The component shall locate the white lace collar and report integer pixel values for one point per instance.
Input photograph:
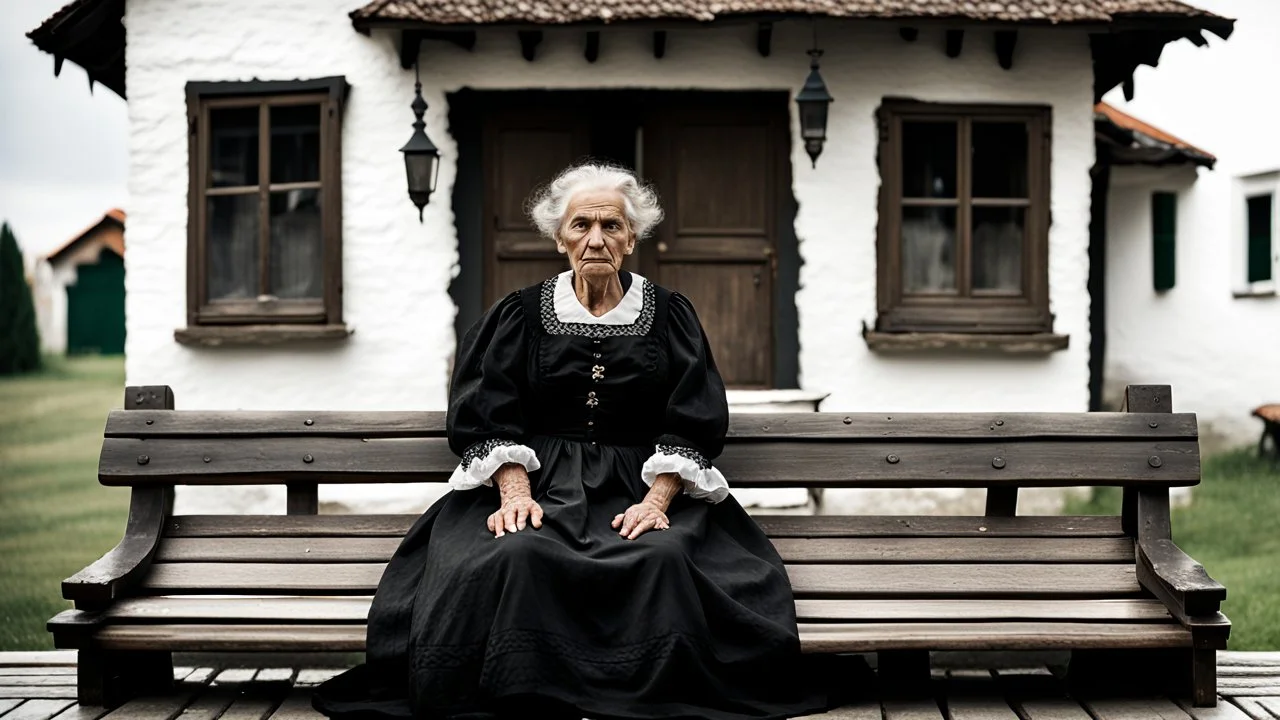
(569, 310)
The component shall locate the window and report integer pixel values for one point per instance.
(265, 204)
(964, 218)
(1258, 254)
(1164, 213)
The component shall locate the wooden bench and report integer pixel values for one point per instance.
(1104, 587)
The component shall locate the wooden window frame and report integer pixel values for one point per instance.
(1252, 186)
(994, 314)
(330, 94)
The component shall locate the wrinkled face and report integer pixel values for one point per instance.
(595, 233)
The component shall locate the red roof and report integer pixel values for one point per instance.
(114, 242)
(1128, 122)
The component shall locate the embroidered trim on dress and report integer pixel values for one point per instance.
(685, 452)
(552, 324)
(481, 450)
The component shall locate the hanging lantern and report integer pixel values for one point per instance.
(813, 100)
(421, 156)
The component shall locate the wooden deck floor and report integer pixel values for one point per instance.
(35, 686)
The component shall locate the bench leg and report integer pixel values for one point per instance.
(1204, 678)
(109, 678)
(902, 672)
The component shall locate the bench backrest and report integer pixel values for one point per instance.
(999, 451)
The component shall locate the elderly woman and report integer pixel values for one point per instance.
(589, 560)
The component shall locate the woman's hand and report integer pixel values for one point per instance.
(513, 514)
(651, 512)
(641, 518)
(518, 505)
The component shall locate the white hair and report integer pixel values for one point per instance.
(549, 204)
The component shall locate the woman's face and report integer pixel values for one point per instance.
(595, 233)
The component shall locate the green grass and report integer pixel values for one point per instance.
(1232, 527)
(54, 516)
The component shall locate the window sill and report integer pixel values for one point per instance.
(1243, 294)
(1022, 344)
(219, 335)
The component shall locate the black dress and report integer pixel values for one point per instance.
(694, 621)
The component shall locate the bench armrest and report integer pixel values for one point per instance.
(109, 577)
(1179, 581)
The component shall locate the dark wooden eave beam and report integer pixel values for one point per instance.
(909, 33)
(764, 38)
(659, 43)
(411, 42)
(592, 50)
(529, 40)
(410, 46)
(955, 42)
(1006, 41)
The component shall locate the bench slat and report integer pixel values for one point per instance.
(1032, 463)
(217, 526)
(293, 610)
(813, 637)
(864, 637)
(777, 526)
(813, 526)
(795, 550)
(742, 426)
(985, 580)
(955, 550)
(1011, 580)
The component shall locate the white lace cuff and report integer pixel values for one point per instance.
(483, 459)
(700, 479)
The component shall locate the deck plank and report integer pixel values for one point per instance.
(315, 676)
(83, 712)
(37, 680)
(1224, 710)
(979, 708)
(911, 710)
(1052, 709)
(38, 709)
(12, 671)
(297, 706)
(163, 707)
(38, 658)
(1251, 657)
(210, 704)
(57, 692)
(1135, 709)
(1253, 708)
(250, 707)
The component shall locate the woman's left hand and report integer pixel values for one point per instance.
(639, 519)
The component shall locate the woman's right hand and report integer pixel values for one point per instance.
(518, 505)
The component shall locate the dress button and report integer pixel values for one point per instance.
(590, 423)
(596, 356)
(591, 394)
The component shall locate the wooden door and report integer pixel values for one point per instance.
(522, 151)
(718, 170)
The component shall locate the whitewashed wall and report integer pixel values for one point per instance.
(1218, 351)
(397, 271)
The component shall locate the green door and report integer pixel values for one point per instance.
(95, 307)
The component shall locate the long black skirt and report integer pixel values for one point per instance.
(697, 621)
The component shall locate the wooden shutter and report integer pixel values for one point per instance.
(1164, 212)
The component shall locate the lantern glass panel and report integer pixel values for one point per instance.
(813, 119)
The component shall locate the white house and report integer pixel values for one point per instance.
(935, 257)
(1212, 328)
(79, 290)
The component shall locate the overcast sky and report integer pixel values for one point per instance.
(63, 151)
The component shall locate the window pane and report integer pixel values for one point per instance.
(295, 143)
(233, 146)
(999, 159)
(296, 247)
(928, 249)
(1260, 238)
(928, 159)
(997, 248)
(233, 247)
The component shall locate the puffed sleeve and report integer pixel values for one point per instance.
(486, 423)
(697, 415)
